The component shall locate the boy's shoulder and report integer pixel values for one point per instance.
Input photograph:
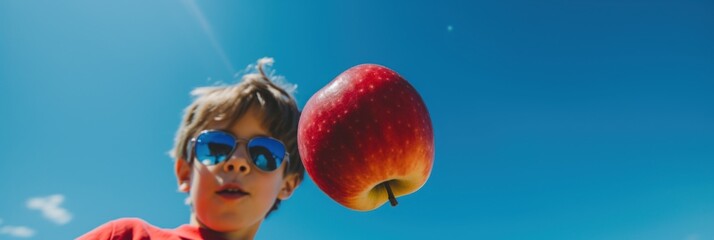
(129, 229)
(128, 222)
(122, 228)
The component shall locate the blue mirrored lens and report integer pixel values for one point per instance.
(267, 153)
(214, 147)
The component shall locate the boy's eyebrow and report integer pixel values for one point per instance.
(256, 135)
(249, 136)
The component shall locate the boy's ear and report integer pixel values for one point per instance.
(290, 183)
(183, 174)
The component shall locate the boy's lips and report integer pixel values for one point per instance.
(231, 190)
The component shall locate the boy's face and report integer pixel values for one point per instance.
(223, 213)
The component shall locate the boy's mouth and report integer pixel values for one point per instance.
(231, 190)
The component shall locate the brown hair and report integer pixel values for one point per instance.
(217, 103)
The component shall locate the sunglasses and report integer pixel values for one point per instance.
(212, 147)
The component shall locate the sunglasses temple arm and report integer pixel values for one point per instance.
(287, 159)
(189, 151)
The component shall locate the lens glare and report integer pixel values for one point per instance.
(214, 147)
(267, 153)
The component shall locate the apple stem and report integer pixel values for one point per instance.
(392, 199)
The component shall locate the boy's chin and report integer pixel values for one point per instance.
(228, 223)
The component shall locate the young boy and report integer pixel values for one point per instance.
(235, 155)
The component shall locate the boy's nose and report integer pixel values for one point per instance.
(238, 162)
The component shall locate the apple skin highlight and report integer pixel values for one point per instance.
(366, 127)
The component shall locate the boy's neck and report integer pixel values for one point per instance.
(241, 234)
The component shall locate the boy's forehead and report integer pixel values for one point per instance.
(250, 123)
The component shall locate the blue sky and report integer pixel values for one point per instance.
(552, 119)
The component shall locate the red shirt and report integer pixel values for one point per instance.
(137, 229)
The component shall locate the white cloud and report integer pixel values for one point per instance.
(50, 207)
(19, 231)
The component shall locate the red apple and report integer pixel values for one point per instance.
(366, 138)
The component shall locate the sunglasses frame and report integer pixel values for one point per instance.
(191, 148)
